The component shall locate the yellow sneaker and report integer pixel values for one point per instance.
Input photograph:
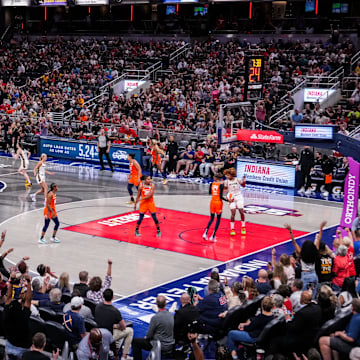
(232, 233)
(243, 231)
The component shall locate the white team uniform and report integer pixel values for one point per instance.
(24, 160)
(40, 175)
(233, 186)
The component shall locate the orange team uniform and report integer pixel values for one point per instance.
(134, 175)
(147, 204)
(156, 160)
(48, 213)
(216, 204)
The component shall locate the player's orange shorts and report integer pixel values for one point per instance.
(134, 180)
(216, 207)
(48, 214)
(156, 160)
(147, 206)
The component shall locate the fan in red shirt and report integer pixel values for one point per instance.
(127, 131)
(198, 157)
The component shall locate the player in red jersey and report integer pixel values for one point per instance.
(50, 214)
(134, 176)
(146, 198)
(216, 204)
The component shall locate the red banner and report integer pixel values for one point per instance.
(260, 136)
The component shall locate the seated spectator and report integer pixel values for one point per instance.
(328, 302)
(348, 293)
(85, 311)
(109, 317)
(45, 272)
(279, 309)
(262, 283)
(64, 283)
(186, 159)
(342, 342)
(250, 331)
(249, 287)
(39, 289)
(96, 288)
(235, 295)
(210, 307)
(215, 275)
(161, 328)
(73, 322)
(54, 303)
(341, 268)
(82, 286)
(300, 332)
(95, 345)
(37, 348)
(296, 117)
(285, 292)
(16, 319)
(187, 314)
(206, 164)
(295, 297)
(293, 155)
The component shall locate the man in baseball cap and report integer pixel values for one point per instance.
(73, 322)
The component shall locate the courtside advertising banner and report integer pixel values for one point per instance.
(267, 174)
(351, 194)
(260, 136)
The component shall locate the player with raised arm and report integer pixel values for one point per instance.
(146, 198)
(134, 176)
(23, 155)
(234, 187)
(216, 190)
(39, 172)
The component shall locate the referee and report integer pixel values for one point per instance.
(103, 147)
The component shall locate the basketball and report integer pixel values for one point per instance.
(230, 197)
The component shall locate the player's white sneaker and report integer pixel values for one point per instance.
(213, 238)
(301, 191)
(55, 239)
(308, 192)
(326, 193)
(205, 236)
(33, 197)
(43, 241)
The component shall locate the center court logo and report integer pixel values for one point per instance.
(121, 220)
(3, 186)
(270, 210)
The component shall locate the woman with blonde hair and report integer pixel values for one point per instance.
(64, 283)
(156, 159)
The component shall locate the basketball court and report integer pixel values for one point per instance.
(97, 224)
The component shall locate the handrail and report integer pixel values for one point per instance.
(280, 114)
(355, 131)
(179, 52)
(296, 88)
(354, 59)
(113, 82)
(5, 32)
(47, 73)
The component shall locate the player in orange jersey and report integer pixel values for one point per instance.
(50, 214)
(146, 198)
(216, 191)
(134, 176)
(156, 159)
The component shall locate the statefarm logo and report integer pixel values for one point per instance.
(121, 220)
(257, 169)
(265, 137)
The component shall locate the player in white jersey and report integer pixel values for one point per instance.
(40, 172)
(23, 155)
(235, 186)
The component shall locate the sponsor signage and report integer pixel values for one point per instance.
(52, 3)
(351, 194)
(320, 132)
(76, 150)
(91, 2)
(260, 136)
(267, 174)
(317, 95)
(130, 85)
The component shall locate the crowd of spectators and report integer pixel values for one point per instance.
(304, 291)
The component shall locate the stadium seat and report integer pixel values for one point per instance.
(2, 330)
(65, 298)
(275, 327)
(90, 304)
(338, 323)
(37, 325)
(241, 313)
(56, 333)
(47, 314)
(90, 324)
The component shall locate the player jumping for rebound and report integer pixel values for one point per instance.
(234, 186)
(146, 198)
(216, 190)
(134, 176)
(23, 155)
